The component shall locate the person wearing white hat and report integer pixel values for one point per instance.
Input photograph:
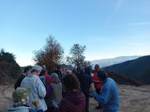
(36, 86)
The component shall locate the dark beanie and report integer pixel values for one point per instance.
(102, 74)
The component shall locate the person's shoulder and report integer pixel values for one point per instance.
(86, 75)
(110, 79)
(54, 71)
(24, 79)
(109, 82)
(22, 75)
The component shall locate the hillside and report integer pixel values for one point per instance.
(112, 61)
(9, 68)
(138, 69)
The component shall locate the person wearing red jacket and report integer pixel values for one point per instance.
(97, 83)
(46, 76)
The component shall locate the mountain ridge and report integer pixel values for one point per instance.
(138, 69)
(111, 61)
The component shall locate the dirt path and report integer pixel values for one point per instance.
(5, 97)
(132, 99)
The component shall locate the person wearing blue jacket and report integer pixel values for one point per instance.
(108, 97)
(20, 101)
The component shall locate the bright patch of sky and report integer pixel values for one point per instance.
(108, 28)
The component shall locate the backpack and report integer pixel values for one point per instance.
(43, 79)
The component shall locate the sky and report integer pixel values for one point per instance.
(108, 28)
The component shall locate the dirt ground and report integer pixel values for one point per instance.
(132, 99)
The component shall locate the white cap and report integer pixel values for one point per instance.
(36, 67)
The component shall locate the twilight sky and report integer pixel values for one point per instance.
(108, 28)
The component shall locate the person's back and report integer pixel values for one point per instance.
(88, 71)
(47, 77)
(38, 90)
(58, 72)
(73, 102)
(85, 82)
(18, 82)
(56, 92)
(21, 77)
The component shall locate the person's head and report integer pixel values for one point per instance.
(43, 67)
(59, 68)
(90, 67)
(54, 78)
(97, 67)
(74, 70)
(20, 97)
(36, 69)
(102, 75)
(69, 72)
(82, 71)
(26, 70)
(71, 83)
(44, 71)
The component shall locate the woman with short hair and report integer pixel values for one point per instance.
(55, 92)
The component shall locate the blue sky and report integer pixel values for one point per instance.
(108, 28)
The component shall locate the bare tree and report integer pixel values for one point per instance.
(51, 55)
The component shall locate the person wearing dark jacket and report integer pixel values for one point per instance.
(43, 70)
(58, 72)
(74, 101)
(88, 70)
(19, 80)
(85, 81)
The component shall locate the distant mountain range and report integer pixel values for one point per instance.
(138, 69)
(108, 62)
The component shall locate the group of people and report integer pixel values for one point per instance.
(64, 93)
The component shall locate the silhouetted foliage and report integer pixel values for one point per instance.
(50, 55)
(9, 58)
(86, 64)
(77, 57)
(5, 56)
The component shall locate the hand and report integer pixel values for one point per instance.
(55, 106)
(36, 103)
(91, 89)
